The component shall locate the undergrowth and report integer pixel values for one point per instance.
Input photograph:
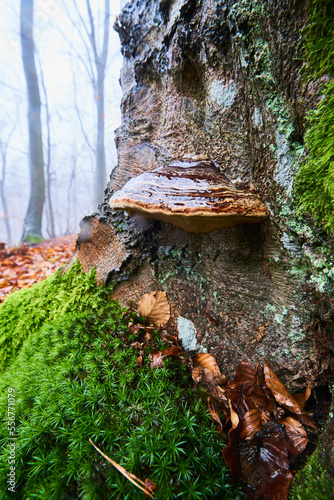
(315, 180)
(76, 377)
(25, 311)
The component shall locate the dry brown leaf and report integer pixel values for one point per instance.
(234, 416)
(251, 424)
(156, 359)
(302, 397)
(296, 433)
(155, 307)
(205, 368)
(139, 361)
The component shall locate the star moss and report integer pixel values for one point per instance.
(76, 377)
(315, 180)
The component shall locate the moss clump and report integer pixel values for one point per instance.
(315, 180)
(315, 480)
(77, 378)
(28, 309)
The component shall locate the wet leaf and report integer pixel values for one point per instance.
(280, 392)
(155, 307)
(265, 464)
(302, 397)
(296, 433)
(251, 424)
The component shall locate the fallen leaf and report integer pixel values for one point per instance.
(251, 424)
(156, 359)
(302, 397)
(296, 433)
(205, 368)
(280, 392)
(234, 417)
(155, 307)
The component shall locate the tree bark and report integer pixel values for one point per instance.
(32, 229)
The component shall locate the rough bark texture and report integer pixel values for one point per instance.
(222, 79)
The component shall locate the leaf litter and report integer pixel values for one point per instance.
(22, 266)
(267, 426)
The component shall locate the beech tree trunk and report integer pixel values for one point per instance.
(223, 80)
(32, 229)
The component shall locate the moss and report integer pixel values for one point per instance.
(32, 239)
(75, 376)
(315, 181)
(28, 309)
(315, 481)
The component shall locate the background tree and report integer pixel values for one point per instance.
(32, 228)
(3, 151)
(95, 64)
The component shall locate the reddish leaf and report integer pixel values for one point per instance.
(302, 397)
(296, 433)
(156, 359)
(284, 397)
(251, 424)
(265, 464)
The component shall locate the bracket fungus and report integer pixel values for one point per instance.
(191, 194)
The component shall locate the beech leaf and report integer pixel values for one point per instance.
(205, 368)
(251, 424)
(280, 392)
(155, 307)
(296, 433)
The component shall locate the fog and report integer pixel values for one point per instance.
(62, 62)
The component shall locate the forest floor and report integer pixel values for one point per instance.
(24, 265)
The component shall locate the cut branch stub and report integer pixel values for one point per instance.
(155, 308)
(193, 195)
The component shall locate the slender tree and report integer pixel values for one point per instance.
(3, 152)
(95, 65)
(32, 229)
(50, 213)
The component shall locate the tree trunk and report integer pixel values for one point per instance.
(100, 172)
(222, 80)
(3, 194)
(32, 229)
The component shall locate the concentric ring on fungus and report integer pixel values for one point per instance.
(193, 195)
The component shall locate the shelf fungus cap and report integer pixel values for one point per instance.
(193, 195)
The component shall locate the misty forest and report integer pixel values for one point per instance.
(167, 249)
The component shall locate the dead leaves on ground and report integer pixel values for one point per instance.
(21, 267)
(266, 429)
(267, 426)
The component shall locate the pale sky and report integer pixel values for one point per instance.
(57, 45)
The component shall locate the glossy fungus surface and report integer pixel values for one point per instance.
(193, 195)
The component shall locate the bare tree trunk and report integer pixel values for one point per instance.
(100, 63)
(100, 172)
(3, 148)
(32, 229)
(51, 230)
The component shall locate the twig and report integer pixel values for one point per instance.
(130, 477)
